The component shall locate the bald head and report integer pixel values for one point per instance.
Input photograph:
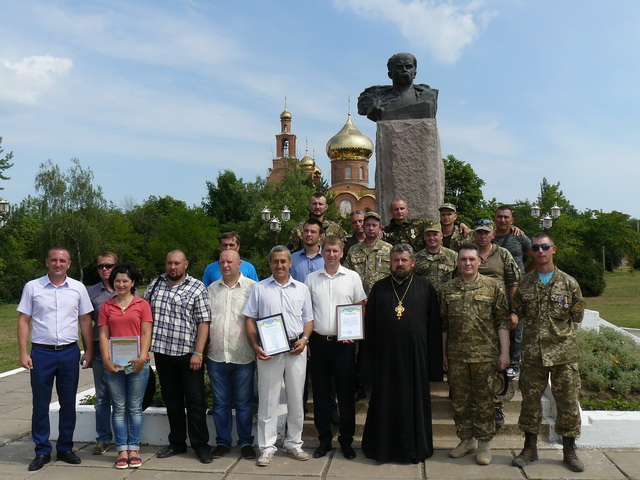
(229, 262)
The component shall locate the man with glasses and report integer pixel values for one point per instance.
(100, 293)
(228, 241)
(357, 226)
(549, 303)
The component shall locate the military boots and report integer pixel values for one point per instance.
(530, 451)
(569, 455)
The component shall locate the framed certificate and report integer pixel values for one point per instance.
(124, 349)
(350, 320)
(273, 334)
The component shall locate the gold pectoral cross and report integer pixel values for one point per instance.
(399, 310)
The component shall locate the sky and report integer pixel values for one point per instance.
(159, 96)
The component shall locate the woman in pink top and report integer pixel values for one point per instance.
(126, 315)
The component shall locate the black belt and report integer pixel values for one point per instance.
(327, 338)
(296, 338)
(54, 347)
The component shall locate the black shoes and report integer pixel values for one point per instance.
(205, 457)
(348, 452)
(39, 462)
(169, 451)
(247, 452)
(322, 450)
(69, 457)
(220, 451)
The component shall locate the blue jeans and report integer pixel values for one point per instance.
(127, 392)
(103, 398)
(232, 383)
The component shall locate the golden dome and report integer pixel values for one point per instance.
(285, 115)
(307, 161)
(317, 172)
(349, 143)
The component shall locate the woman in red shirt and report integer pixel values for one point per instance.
(126, 315)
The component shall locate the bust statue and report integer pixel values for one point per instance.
(403, 100)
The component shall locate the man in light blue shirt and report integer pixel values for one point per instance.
(228, 241)
(309, 258)
(280, 294)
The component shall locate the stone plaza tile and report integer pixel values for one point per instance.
(627, 461)
(441, 466)
(13, 428)
(550, 466)
(63, 471)
(143, 474)
(184, 462)
(281, 465)
(362, 467)
(18, 453)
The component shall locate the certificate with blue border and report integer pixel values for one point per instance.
(350, 320)
(273, 334)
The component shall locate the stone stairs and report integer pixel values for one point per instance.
(444, 431)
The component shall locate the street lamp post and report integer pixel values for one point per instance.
(5, 208)
(546, 220)
(275, 225)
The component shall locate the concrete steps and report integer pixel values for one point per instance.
(444, 431)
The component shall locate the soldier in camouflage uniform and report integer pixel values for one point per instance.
(453, 236)
(475, 332)
(317, 208)
(549, 304)
(403, 230)
(370, 259)
(435, 262)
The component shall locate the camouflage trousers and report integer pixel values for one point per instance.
(565, 387)
(472, 398)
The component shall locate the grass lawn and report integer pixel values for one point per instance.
(8, 339)
(620, 302)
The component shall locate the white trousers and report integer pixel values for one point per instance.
(270, 375)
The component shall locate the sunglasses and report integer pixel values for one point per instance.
(541, 246)
(483, 222)
(106, 266)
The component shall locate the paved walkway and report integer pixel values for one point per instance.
(16, 451)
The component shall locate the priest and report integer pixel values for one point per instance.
(402, 353)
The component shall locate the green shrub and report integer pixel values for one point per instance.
(589, 275)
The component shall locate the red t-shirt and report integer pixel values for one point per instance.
(127, 323)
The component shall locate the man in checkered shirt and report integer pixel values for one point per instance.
(181, 318)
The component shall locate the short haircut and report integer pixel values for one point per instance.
(540, 235)
(316, 222)
(503, 208)
(397, 200)
(356, 212)
(401, 248)
(469, 246)
(279, 249)
(129, 270)
(318, 195)
(228, 235)
(177, 251)
(394, 59)
(229, 250)
(108, 254)
(333, 240)
(62, 249)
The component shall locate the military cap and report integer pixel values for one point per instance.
(484, 224)
(432, 226)
(448, 206)
(372, 215)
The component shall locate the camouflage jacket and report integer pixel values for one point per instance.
(500, 266)
(329, 227)
(456, 239)
(371, 263)
(410, 231)
(472, 313)
(548, 314)
(438, 268)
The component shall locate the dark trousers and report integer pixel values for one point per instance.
(64, 366)
(182, 387)
(333, 361)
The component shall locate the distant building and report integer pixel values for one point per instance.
(349, 151)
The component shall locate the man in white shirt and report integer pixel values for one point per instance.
(230, 358)
(52, 307)
(280, 294)
(333, 360)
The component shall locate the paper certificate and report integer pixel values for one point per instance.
(124, 349)
(273, 334)
(350, 320)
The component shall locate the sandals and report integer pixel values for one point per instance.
(134, 460)
(122, 462)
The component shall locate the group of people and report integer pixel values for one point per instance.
(438, 297)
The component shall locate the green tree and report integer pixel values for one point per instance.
(229, 199)
(463, 188)
(5, 163)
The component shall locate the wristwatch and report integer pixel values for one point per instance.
(306, 339)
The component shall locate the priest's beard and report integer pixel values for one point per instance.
(400, 274)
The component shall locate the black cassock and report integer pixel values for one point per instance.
(400, 357)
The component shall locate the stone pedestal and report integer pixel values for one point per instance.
(409, 166)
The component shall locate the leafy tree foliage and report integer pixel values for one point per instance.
(5, 163)
(463, 188)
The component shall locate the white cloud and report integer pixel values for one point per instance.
(25, 81)
(442, 28)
